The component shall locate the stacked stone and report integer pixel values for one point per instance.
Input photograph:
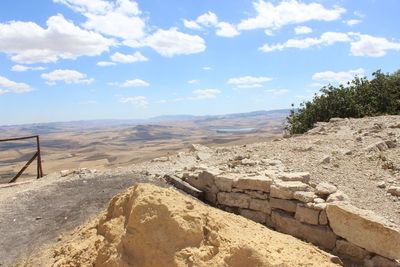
(288, 203)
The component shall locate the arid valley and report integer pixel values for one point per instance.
(105, 144)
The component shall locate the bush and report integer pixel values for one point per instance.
(359, 98)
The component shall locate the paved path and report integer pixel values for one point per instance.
(35, 214)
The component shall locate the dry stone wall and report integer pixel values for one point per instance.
(319, 214)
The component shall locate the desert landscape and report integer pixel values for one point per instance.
(105, 144)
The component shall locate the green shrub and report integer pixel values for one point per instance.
(359, 98)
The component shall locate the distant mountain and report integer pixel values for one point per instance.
(54, 127)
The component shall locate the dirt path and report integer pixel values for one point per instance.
(37, 213)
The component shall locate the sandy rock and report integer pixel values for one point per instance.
(259, 183)
(151, 226)
(337, 196)
(323, 218)
(283, 204)
(257, 194)
(324, 189)
(285, 190)
(160, 159)
(304, 196)
(319, 235)
(307, 215)
(364, 229)
(256, 216)
(260, 205)
(294, 176)
(224, 182)
(381, 184)
(394, 191)
(234, 199)
(350, 250)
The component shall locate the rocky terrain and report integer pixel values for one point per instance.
(360, 157)
(298, 178)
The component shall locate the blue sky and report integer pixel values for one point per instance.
(65, 60)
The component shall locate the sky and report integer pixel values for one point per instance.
(66, 60)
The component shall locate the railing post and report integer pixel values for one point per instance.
(39, 159)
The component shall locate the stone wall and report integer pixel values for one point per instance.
(319, 214)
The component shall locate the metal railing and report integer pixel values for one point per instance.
(35, 156)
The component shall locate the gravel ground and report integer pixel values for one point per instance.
(36, 213)
(342, 152)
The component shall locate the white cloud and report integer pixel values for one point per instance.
(87, 6)
(123, 58)
(248, 81)
(191, 24)
(29, 43)
(8, 86)
(341, 77)
(105, 63)
(138, 101)
(225, 29)
(277, 91)
(302, 30)
(67, 76)
(171, 42)
(210, 19)
(21, 68)
(131, 83)
(120, 18)
(193, 81)
(288, 12)
(207, 19)
(327, 38)
(371, 46)
(353, 22)
(207, 68)
(205, 93)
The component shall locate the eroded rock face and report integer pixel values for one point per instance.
(150, 226)
(364, 229)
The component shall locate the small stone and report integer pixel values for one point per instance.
(381, 184)
(337, 196)
(325, 160)
(319, 200)
(394, 191)
(324, 189)
(304, 196)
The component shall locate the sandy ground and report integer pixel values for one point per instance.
(36, 213)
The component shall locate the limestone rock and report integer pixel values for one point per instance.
(234, 199)
(259, 182)
(324, 189)
(376, 147)
(337, 196)
(283, 204)
(294, 176)
(285, 190)
(260, 205)
(319, 235)
(350, 250)
(256, 216)
(304, 196)
(378, 261)
(307, 215)
(65, 173)
(225, 182)
(364, 229)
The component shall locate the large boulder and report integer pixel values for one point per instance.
(364, 229)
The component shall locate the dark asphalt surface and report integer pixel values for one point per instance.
(36, 217)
